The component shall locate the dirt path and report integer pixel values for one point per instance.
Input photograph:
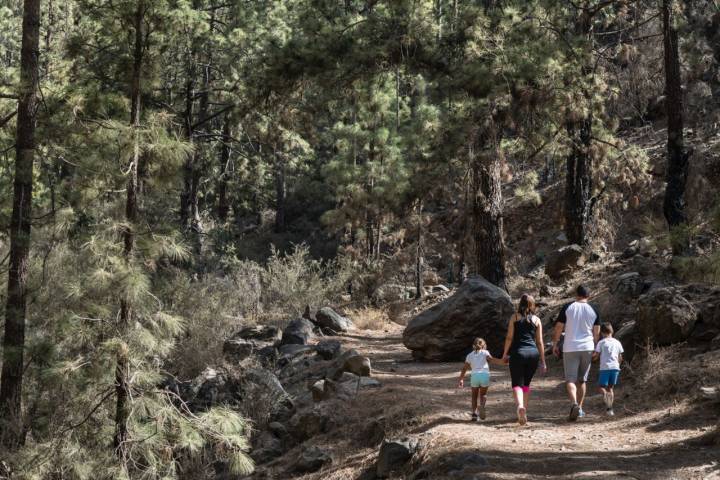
(637, 443)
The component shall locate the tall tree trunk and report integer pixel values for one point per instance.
(189, 199)
(578, 176)
(280, 193)
(578, 182)
(223, 205)
(122, 368)
(11, 381)
(678, 155)
(188, 167)
(419, 257)
(488, 212)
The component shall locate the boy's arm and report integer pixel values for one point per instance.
(620, 358)
(595, 357)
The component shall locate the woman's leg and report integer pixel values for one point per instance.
(517, 372)
(531, 365)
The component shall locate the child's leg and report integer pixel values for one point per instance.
(475, 392)
(483, 394)
(611, 395)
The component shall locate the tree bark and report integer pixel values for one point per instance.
(488, 216)
(122, 368)
(578, 176)
(280, 193)
(11, 381)
(678, 156)
(419, 257)
(223, 205)
(578, 182)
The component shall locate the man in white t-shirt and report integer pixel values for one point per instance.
(581, 323)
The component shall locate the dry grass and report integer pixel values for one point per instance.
(369, 318)
(675, 370)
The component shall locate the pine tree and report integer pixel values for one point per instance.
(678, 155)
(11, 379)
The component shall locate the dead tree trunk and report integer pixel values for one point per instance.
(11, 381)
(678, 155)
(122, 368)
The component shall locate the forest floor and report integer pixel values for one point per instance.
(647, 439)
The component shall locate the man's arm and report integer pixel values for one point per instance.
(596, 325)
(557, 331)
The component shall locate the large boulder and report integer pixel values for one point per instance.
(312, 459)
(629, 286)
(237, 386)
(252, 340)
(393, 293)
(665, 316)
(265, 333)
(298, 332)
(445, 332)
(332, 322)
(237, 349)
(394, 454)
(328, 349)
(562, 262)
(627, 334)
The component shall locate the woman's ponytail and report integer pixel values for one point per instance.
(526, 307)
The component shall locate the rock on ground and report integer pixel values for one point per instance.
(330, 321)
(312, 459)
(394, 454)
(665, 316)
(445, 332)
(563, 261)
(328, 349)
(298, 332)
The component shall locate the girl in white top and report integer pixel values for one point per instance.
(477, 362)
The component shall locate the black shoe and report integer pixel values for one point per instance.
(574, 412)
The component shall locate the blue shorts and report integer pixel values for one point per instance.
(480, 379)
(608, 377)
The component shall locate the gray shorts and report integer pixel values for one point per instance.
(577, 366)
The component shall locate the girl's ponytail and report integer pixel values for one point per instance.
(479, 344)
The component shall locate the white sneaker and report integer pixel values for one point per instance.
(610, 412)
(608, 401)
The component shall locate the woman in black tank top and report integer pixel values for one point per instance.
(524, 350)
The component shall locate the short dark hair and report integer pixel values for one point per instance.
(606, 328)
(582, 291)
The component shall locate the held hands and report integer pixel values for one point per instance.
(556, 351)
(506, 359)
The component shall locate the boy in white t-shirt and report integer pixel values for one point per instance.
(609, 350)
(477, 362)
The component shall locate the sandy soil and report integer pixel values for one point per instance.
(640, 442)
